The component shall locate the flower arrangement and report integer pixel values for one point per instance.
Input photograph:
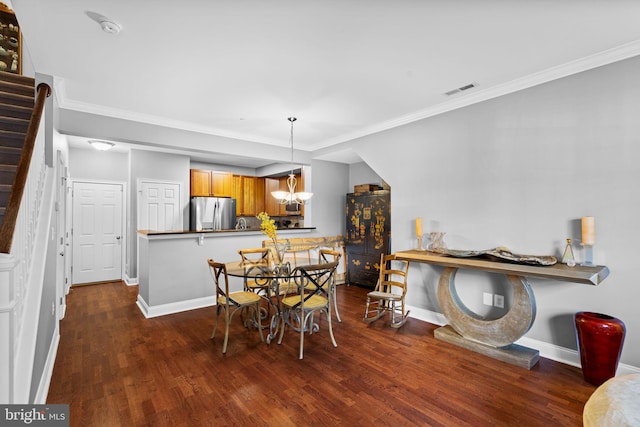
(268, 227)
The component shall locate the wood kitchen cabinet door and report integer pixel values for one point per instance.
(260, 195)
(271, 205)
(236, 192)
(206, 183)
(282, 186)
(221, 183)
(200, 183)
(248, 195)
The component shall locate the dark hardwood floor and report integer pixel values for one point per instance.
(116, 368)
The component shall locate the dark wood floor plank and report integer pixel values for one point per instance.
(116, 368)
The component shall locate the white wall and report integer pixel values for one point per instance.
(155, 166)
(361, 173)
(329, 184)
(519, 171)
(98, 165)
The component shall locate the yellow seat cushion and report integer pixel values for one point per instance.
(242, 298)
(252, 284)
(384, 295)
(316, 301)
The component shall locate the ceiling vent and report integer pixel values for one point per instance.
(461, 89)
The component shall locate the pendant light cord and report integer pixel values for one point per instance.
(291, 119)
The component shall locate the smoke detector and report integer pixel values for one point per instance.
(109, 26)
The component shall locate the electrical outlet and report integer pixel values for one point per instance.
(498, 300)
(487, 298)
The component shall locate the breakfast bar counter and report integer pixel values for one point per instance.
(173, 274)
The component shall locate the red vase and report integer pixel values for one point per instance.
(600, 339)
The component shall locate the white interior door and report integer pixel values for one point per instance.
(159, 206)
(97, 232)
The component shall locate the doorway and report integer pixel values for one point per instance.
(97, 231)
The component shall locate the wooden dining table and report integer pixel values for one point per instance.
(277, 282)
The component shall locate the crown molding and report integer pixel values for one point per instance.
(66, 103)
(606, 57)
(610, 56)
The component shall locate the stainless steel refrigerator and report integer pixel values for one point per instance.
(213, 213)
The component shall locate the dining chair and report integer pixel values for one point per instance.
(232, 302)
(327, 256)
(303, 253)
(389, 293)
(298, 308)
(257, 259)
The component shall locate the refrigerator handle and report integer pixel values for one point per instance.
(216, 215)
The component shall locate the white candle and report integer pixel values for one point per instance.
(419, 227)
(588, 230)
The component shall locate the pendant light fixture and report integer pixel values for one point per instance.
(291, 197)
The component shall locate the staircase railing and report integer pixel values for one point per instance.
(24, 240)
(8, 227)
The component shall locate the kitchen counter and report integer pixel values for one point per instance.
(173, 274)
(233, 230)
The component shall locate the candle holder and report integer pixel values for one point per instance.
(588, 255)
(420, 248)
(568, 258)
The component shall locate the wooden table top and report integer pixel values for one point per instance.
(590, 275)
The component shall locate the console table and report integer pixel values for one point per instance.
(496, 338)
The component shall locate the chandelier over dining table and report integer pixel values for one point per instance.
(291, 197)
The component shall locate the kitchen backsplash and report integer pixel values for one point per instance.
(290, 221)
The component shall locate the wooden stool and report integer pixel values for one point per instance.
(614, 403)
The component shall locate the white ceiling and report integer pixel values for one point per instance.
(343, 68)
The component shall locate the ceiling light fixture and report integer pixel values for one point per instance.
(291, 197)
(101, 145)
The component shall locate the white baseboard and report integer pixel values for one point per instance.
(427, 315)
(174, 307)
(47, 372)
(130, 281)
(549, 351)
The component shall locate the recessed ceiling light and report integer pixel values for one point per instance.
(101, 145)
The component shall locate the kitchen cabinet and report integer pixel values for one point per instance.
(248, 195)
(367, 236)
(210, 183)
(236, 192)
(271, 205)
(252, 193)
(200, 183)
(260, 195)
(221, 183)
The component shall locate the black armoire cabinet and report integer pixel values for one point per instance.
(367, 236)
